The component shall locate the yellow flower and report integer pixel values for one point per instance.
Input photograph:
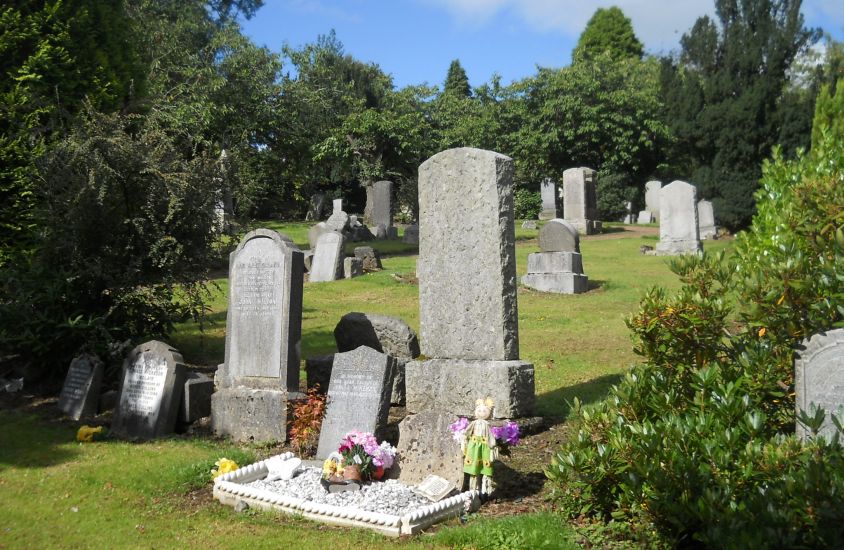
(86, 433)
(329, 467)
(762, 332)
(224, 466)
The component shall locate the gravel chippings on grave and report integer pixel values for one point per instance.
(387, 497)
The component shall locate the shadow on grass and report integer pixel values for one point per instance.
(27, 442)
(595, 284)
(555, 405)
(515, 484)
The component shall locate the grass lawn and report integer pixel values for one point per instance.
(55, 492)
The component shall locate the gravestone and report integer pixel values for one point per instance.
(196, 399)
(80, 394)
(370, 258)
(580, 206)
(529, 224)
(318, 371)
(558, 267)
(358, 396)
(382, 203)
(628, 216)
(150, 392)
(819, 378)
(327, 263)
(381, 232)
(645, 217)
(338, 221)
(263, 335)
(706, 220)
(550, 200)
(411, 234)
(652, 189)
(352, 267)
(337, 206)
(315, 232)
(678, 227)
(426, 447)
(467, 287)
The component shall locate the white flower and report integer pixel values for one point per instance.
(358, 460)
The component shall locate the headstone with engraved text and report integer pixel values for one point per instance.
(81, 390)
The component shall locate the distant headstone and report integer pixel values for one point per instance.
(380, 232)
(196, 400)
(580, 205)
(315, 232)
(80, 394)
(706, 220)
(370, 258)
(307, 258)
(382, 203)
(150, 392)
(678, 227)
(558, 267)
(550, 200)
(468, 313)
(652, 189)
(338, 221)
(358, 396)
(628, 216)
(819, 378)
(327, 264)
(337, 206)
(645, 217)
(411, 234)
(426, 447)
(352, 267)
(529, 224)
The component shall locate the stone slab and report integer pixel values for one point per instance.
(338, 221)
(336, 205)
(196, 399)
(555, 262)
(246, 414)
(467, 260)
(652, 189)
(411, 234)
(558, 283)
(529, 224)
(706, 220)
(150, 392)
(315, 232)
(352, 267)
(819, 378)
(559, 236)
(80, 395)
(382, 333)
(318, 371)
(678, 221)
(370, 258)
(550, 200)
(382, 203)
(327, 264)
(580, 205)
(645, 217)
(453, 385)
(426, 447)
(358, 396)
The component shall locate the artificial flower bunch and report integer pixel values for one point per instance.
(87, 434)
(506, 436)
(224, 466)
(363, 450)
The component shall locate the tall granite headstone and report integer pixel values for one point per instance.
(81, 390)
(382, 203)
(558, 267)
(263, 334)
(652, 189)
(580, 205)
(678, 227)
(819, 377)
(706, 220)
(467, 288)
(150, 392)
(550, 200)
(358, 396)
(327, 263)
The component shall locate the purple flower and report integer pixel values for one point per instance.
(508, 433)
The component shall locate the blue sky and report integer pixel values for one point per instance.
(415, 40)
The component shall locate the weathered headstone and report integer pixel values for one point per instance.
(352, 267)
(358, 396)
(263, 334)
(645, 217)
(338, 221)
(382, 203)
(819, 378)
(337, 206)
(80, 394)
(652, 189)
(467, 287)
(550, 200)
(327, 264)
(706, 220)
(315, 232)
(370, 258)
(558, 267)
(411, 234)
(529, 224)
(678, 228)
(580, 204)
(426, 447)
(150, 392)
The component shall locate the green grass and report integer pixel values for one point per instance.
(539, 531)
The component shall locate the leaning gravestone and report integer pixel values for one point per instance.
(81, 390)
(580, 206)
(652, 189)
(706, 220)
(558, 267)
(467, 288)
(819, 378)
(263, 334)
(426, 447)
(327, 263)
(358, 396)
(678, 227)
(550, 200)
(150, 392)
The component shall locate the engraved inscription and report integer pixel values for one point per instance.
(256, 292)
(78, 378)
(143, 387)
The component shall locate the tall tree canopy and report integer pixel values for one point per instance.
(456, 81)
(608, 32)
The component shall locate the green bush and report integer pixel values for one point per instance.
(613, 191)
(527, 204)
(697, 442)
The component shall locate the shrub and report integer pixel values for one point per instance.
(613, 191)
(527, 204)
(698, 441)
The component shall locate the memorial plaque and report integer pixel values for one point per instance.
(358, 396)
(150, 392)
(819, 378)
(434, 488)
(81, 390)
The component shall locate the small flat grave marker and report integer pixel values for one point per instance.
(434, 488)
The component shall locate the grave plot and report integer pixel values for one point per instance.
(391, 507)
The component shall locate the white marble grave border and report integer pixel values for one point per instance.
(231, 488)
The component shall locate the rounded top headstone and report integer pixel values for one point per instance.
(279, 238)
(559, 236)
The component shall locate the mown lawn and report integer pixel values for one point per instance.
(55, 492)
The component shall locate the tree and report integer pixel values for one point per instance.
(456, 81)
(609, 32)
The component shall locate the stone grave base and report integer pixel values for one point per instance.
(245, 414)
(676, 248)
(560, 283)
(453, 385)
(232, 489)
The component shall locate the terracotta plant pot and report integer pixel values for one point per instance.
(352, 471)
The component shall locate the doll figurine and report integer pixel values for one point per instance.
(479, 448)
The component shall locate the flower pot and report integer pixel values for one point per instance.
(352, 471)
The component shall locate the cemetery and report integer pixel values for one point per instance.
(312, 309)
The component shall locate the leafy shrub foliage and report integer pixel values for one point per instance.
(527, 204)
(698, 441)
(613, 191)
